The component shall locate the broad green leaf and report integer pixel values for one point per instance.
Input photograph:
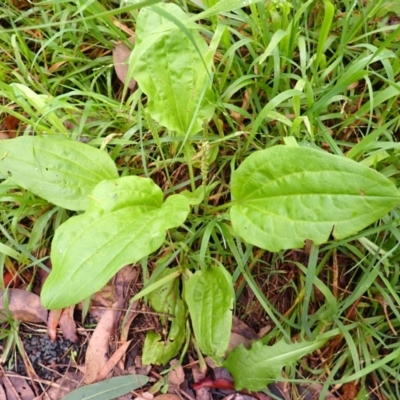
(166, 301)
(171, 71)
(285, 195)
(126, 220)
(209, 297)
(253, 369)
(108, 389)
(59, 170)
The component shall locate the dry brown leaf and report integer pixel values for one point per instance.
(313, 391)
(21, 4)
(202, 393)
(96, 354)
(121, 55)
(112, 362)
(236, 340)
(66, 384)
(68, 325)
(167, 397)
(243, 329)
(52, 323)
(101, 301)
(350, 390)
(139, 368)
(11, 123)
(264, 330)
(128, 319)
(16, 387)
(281, 389)
(145, 396)
(22, 306)
(2, 392)
(124, 279)
(176, 377)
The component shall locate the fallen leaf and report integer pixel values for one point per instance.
(11, 124)
(140, 368)
(68, 325)
(7, 277)
(101, 301)
(124, 279)
(350, 390)
(202, 393)
(128, 319)
(96, 354)
(239, 327)
(2, 392)
(145, 396)
(22, 4)
(52, 323)
(16, 387)
(112, 361)
(167, 397)
(121, 55)
(264, 330)
(281, 390)
(66, 384)
(22, 306)
(176, 377)
(236, 340)
(313, 391)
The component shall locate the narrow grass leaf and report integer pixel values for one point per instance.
(325, 29)
(285, 195)
(276, 38)
(224, 6)
(108, 389)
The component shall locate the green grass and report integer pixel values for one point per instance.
(343, 56)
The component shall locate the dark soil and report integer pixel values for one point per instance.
(50, 360)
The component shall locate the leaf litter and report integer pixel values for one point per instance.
(110, 342)
(21, 305)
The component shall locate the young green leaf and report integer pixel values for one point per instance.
(166, 301)
(253, 369)
(171, 71)
(125, 221)
(285, 195)
(209, 297)
(108, 389)
(59, 170)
